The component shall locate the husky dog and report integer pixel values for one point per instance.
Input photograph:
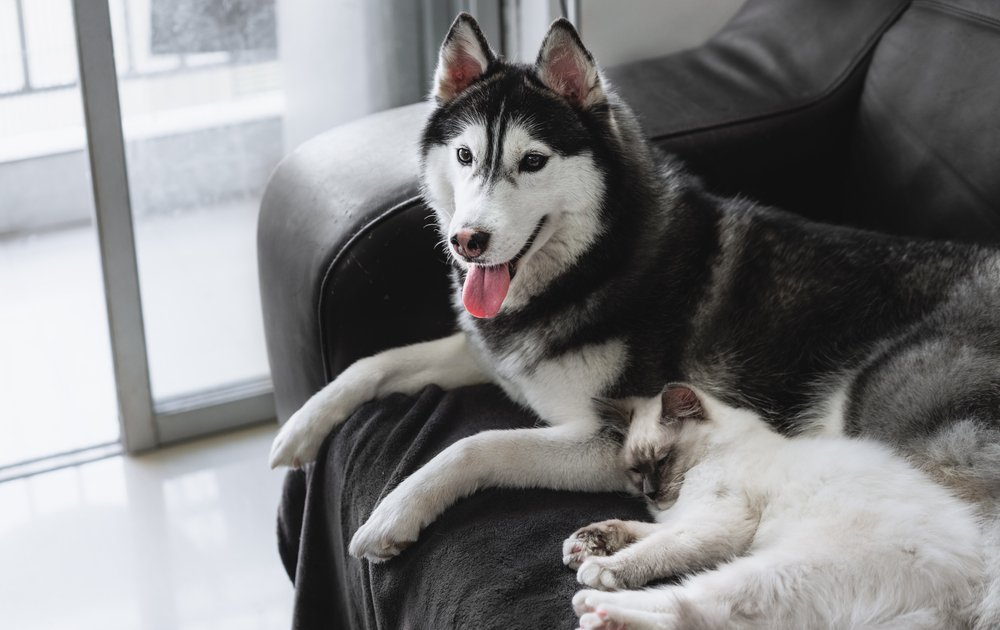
(586, 267)
(812, 532)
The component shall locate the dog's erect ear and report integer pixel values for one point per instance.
(680, 402)
(615, 415)
(614, 411)
(567, 68)
(464, 57)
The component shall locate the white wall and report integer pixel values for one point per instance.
(619, 31)
(342, 59)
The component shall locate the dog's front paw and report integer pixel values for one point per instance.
(299, 439)
(387, 532)
(597, 539)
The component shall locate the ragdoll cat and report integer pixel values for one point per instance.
(772, 532)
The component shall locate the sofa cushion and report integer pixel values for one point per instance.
(925, 149)
(764, 109)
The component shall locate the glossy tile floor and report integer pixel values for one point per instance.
(182, 539)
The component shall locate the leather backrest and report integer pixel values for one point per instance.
(765, 108)
(924, 156)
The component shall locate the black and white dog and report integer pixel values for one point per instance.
(588, 267)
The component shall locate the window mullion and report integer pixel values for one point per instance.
(102, 114)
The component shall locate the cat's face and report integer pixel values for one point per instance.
(662, 442)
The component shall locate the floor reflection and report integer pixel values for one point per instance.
(182, 538)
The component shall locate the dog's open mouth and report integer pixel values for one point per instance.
(486, 286)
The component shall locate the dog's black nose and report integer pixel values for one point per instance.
(470, 244)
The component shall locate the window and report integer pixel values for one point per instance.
(201, 103)
(144, 308)
(58, 388)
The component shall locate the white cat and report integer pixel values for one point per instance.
(772, 532)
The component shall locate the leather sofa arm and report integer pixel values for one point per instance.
(346, 266)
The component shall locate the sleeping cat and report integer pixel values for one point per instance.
(772, 532)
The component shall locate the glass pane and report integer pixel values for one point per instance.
(56, 380)
(202, 116)
(48, 31)
(213, 95)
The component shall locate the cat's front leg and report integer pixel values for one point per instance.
(602, 539)
(699, 531)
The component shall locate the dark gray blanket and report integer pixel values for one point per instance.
(494, 560)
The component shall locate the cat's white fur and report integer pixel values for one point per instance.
(811, 532)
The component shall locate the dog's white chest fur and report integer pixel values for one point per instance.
(558, 389)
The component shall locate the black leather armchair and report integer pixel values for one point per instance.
(879, 113)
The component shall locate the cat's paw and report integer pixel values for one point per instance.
(586, 600)
(612, 616)
(392, 527)
(615, 616)
(595, 608)
(602, 618)
(599, 573)
(597, 539)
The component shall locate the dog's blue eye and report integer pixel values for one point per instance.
(464, 155)
(533, 162)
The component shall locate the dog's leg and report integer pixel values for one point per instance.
(564, 457)
(446, 362)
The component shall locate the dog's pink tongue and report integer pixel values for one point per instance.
(485, 288)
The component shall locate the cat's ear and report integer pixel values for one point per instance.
(567, 68)
(615, 415)
(680, 402)
(465, 55)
